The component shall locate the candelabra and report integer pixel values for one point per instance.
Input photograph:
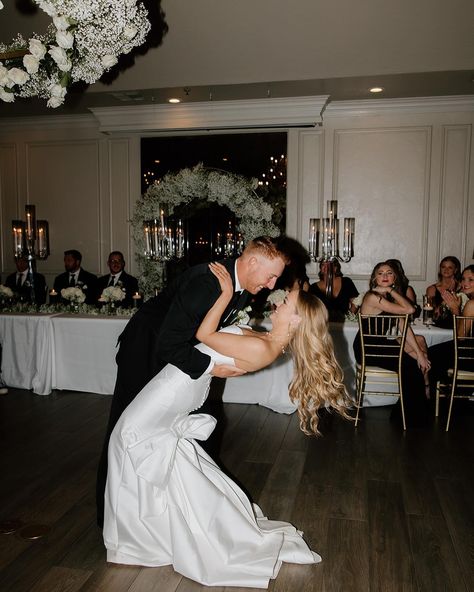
(31, 240)
(323, 241)
(165, 238)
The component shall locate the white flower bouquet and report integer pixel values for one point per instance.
(74, 295)
(5, 292)
(112, 294)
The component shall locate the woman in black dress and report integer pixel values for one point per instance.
(384, 297)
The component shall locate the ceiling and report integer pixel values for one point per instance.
(228, 51)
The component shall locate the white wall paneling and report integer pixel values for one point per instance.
(381, 177)
(455, 158)
(64, 182)
(9, 207)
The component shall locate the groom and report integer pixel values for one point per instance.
(163, 330)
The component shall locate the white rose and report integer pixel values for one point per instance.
(1, 5)
(48, 8)
(61, 23)
(130, 32)
(108, 60)
(54, 102)
(3, 75)
(37, 49)
(64, 39)
(57, 91)
(8, 97)
(18, 76)
(60, 57)
(31, 63)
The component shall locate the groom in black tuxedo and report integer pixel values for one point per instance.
(163, 330)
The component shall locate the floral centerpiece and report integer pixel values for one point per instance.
(6, 294)
(112, 294)
(176, 189)
(75, 296)
(84, 40)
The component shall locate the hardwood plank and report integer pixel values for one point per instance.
(279, 494)
(62, 579)
(391, 565)
(269, 438)
(159, 579)
(346, 566)
(436, 564)
(458, 509)
(111, 578)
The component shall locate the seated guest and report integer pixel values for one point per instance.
(441, 293)
(75, 276)
(442, 354)
(118, 277)
(20, 283)
(384, 297)
(404, 285)
(343, 291)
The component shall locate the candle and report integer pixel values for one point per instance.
(313, 238)
(30, 222)
(53, 292)
(136, 298)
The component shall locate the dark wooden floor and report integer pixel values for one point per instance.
(386, 510)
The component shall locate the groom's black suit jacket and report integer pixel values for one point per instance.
(163, 331)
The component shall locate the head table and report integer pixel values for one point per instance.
(74, 352)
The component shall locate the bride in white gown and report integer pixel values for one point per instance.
(166, 500)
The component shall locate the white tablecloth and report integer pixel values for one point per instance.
(85, 349)
(269, 387)
(27, 351)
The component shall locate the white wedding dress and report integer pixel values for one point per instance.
(168, 503)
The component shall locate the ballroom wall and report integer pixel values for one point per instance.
(404, 169)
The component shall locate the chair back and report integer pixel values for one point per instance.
(382, 336)
(463, 344)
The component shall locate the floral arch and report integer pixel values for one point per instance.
(206, 185)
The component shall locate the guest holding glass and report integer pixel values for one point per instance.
(443, 294)
(442, 354)
(384, 297)
(342, 295)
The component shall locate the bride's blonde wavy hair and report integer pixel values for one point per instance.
(318, 378)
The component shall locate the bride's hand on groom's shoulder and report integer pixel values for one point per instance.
(226, 371)
(223, 276)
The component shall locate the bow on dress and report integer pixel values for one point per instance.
(153, 457)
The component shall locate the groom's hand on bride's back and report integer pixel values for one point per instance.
(226, 371)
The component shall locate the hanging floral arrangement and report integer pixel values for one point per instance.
(84, 40)
(253, 214)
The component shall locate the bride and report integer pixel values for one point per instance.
(166, 501)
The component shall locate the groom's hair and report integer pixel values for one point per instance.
(267, 247)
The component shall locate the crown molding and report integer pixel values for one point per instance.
(451, 104)
(255, 113)
(48, 122)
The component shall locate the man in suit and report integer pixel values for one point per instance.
(163, 330)
(118, 277)
(75, 276)
(21, 283)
